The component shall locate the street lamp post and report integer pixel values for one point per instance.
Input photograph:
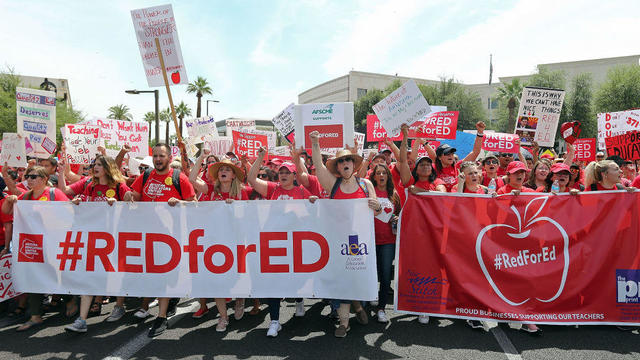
(156, 95)
(215, 101)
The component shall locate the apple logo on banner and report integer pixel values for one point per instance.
(538, 248)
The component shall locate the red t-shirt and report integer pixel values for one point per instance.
(499, 183)
(636, 182)
(277, 192)
(501, 171)
(97, 192)
(79, 186)
(602, 188)
(4, 218)
(315, 188)
(215, 196)
(467, 191)
(384, 234)
(159, 188)
(507, 189)
(22, 187)
(449, 175)
(358, 194)
(57, 194)
(426, 184)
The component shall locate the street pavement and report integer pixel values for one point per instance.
(309, 337)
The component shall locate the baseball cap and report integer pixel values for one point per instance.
(275, 161)
(558, 167)
(445, 149)
(516, 166)
(287, 165)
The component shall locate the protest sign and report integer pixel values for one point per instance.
(333, 121)
(439, 125)
(405, 105)
(538, 115)
(422, 151)
(616, 123)
(285, 124)
(520, 258)
(627, 145)
(359, 138)
(271, 136)
(219, 146)
(81, 143)
(117, 133)
(7, 290)
(249, 144)
(585, 150)
(500, 142)
(199, 128)
(210, 249)
(238, 124)
(36, 114)
(14, 152)
(281, 152)
(158, 22)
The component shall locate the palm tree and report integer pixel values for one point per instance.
(120, 112)
(511, 93)
(165, 115)
(199, 87)
(182, 110)
(150, 117)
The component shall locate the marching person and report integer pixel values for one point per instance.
(561, 173)
(516, 175)
(469, 179)
(604, 175)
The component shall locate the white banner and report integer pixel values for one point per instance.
(81, 143)
(538, 115)
(14, 152)
(405, 105)
(117, 133)
(616, 123)
(269, 249)
(333, 121)
(36, 111)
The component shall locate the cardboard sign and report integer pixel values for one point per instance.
(500, 142)
(281, 152)
(249, 144)
(616, 123)
(271, 136)
(627, 145)
(439, 125)
(158, 22)
(36, 115)
(359, 137)
(241, 125)
(218, 146)
(538, 115)
(117, 133)
(375, 131)
(14, 152)
(585, 150)
(405, 105)
(285, 124)
(333, 121)
(387, 210)
(81, 143)
(199, 128)
(7, 290)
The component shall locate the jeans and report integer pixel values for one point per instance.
(384, 256)
(274, 307)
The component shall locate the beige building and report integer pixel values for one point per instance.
(60, 86)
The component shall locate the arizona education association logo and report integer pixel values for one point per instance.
(355, 252)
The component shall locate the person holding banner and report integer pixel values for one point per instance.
(490, 166)
(541, 170)
(561, 173)
(338, 178)
(604, 175)
(469, 180)
(37, 178)
(516, 175)
(162, 184)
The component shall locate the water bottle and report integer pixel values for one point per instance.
(492, 186)
(555, 187)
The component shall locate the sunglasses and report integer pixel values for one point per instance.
(344, 159)
(32, 176)
(142, 168)
(263, 176)
(490, 162)
(506, 155)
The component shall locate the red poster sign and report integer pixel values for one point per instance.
(535, 258)
(500, 142)
(330, 135)
(248, 144)
(439, 125)
(627, 145)
(585, 150)
(423, 152)
(375, 131)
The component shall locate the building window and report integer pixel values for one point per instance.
(492, 103)
(361, 93)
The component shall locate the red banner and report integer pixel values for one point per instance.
(423, 152)
(561, 259)
(585, 150)
(500, 142)
(627, 145)
(439, 125)
(330, 135)
(248, 144)
(375, 131)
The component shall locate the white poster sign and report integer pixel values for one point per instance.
(405, 105)
(359, 137)
(81, 143)
(117, 133)
(238, 125)
(334, 122)
(538, 115)
(158, 22)
(36, 110)
(199, 128)
(7, 290)
(219, 146)
(14, 152)
(284, 122)
(268, 249)
(616, 123)
(271, 136)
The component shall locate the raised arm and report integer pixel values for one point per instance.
(571, 152)
(62, 181)
(121, 154)
(259, 185)
(403, 164)
(362, 172)
(477, 145)
(302, 174)
(325, 177)
(11, 184)
(198, 184)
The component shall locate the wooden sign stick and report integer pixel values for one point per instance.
(166, 84)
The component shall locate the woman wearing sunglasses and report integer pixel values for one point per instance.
(37, 178)
(423, 176)
(490, 167)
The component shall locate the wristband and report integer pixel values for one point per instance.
(480, 135)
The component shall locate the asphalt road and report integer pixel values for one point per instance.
(309, 337)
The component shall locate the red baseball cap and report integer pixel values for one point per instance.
(275, 161)
(288, 165)
(558, 167)
(516, 166)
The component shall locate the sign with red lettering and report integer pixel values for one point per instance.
(521, 258)
(14, 151)
(439, 125)
(334, 122)
(330, 135)
(616, 123)
(585, 150)
(117, 133)
(214, 249)
(500, 142)
(627, 145)
(7, 290)
(81, 143)
(249, 144)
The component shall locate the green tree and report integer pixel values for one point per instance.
(364, 106)
(182, 110)
(150, 117)
(621, 89)
(452, 94)
(579, 104)
(165, 115)
(120, 112)
(509, 95)
(199, 87)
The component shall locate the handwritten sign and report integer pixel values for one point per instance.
(585, 150)
(627, 145)
(7, 290)
(538, 115)
(238, 124)
(616, 123)
(271, 136)
(14, 152)
(36, 114)
(334, 122)
(81, 143)
(158, 22)
(218, 146)
(117, 133)
(500, 142)
(405, 105)
(248, 144)
(285, 124)
(199, 128)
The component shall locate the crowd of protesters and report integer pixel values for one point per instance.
(383, 177)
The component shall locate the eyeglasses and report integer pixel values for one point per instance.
(142, 168)
(32, 176)
(490, 162)
(263, 176)
(341, 160)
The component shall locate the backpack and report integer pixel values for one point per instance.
(52, 194)
(594, 187)
(175, 179)
(336, 186)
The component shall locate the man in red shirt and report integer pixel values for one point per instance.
(158, 185)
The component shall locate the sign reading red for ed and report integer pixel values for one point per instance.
(585, 150)
(439, 125)
(500, 142)
(248, 144)
(330, 135)
(627, 145)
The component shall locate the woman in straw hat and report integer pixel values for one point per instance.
(338, 178)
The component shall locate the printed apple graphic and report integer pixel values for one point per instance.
(533, 240)
(175, 77)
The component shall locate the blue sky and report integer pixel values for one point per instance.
(259, 55)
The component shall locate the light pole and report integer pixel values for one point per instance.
(156, 95)
(215, 101)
